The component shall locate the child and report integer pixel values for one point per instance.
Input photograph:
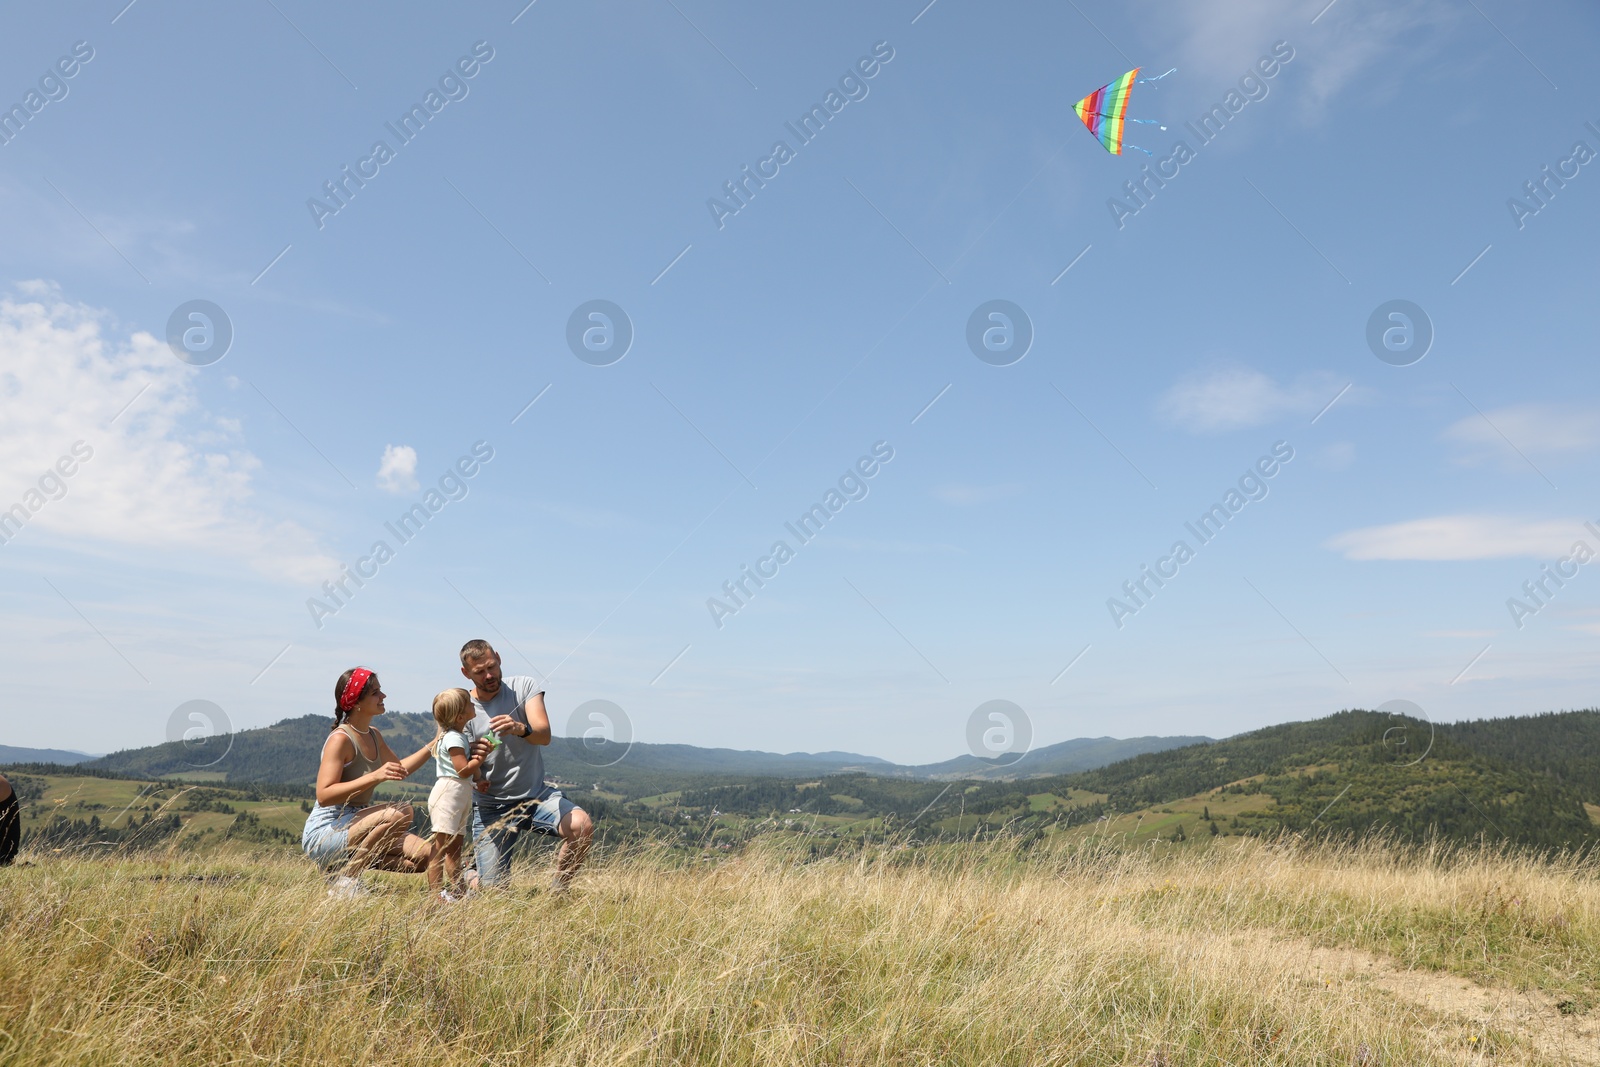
(450, 802)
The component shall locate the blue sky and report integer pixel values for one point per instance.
(576, 163)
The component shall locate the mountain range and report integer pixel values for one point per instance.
(287, 752)
(62, 756)
(1532, 781)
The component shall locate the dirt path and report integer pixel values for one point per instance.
(1559, 1040)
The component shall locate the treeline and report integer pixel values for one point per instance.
(62, 833)
(1562, 745)
(1459, 801)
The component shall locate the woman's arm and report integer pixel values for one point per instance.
(336, 752)
(411, 762)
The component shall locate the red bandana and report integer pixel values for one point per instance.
(353, 688)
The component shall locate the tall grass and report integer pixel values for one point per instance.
(984, 953)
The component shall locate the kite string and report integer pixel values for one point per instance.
(1144, 122)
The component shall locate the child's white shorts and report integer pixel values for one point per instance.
(450, 805)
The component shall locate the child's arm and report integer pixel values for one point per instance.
(465, 768)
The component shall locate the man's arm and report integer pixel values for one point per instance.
(537, 730)
(538, 721)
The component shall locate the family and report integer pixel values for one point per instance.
(488, 754)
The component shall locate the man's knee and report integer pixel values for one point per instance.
(576, 824)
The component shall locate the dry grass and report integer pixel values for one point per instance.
(1244, 953)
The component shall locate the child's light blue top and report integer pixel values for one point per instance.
(442, 764)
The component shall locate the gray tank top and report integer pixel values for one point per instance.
(361, 765)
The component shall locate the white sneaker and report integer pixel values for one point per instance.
(347, 888)
(444, 895)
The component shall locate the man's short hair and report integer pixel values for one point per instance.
(477, 648)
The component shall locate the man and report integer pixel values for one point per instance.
(517, 801)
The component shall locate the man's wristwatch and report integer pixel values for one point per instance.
(527, 731)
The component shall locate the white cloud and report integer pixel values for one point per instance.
(1534, 429)
(157, 477)
(1463, 537)
(967, 495)
(397, 471)
(1232, 396)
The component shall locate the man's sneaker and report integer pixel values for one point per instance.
(446, 897)
(347, 888)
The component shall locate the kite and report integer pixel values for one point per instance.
(1104, 111)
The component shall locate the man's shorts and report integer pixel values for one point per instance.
(540, 814)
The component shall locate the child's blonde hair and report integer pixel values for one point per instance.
(448, 707)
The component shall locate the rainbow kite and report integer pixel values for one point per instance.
(1104, 111)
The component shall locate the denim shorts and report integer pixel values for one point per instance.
(326, 838)
(497, 827)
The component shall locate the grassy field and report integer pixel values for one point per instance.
(1242, 951)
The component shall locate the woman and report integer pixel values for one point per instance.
(346, 831)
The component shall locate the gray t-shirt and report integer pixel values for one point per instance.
(515, 770)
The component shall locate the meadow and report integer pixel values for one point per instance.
(1228, 951)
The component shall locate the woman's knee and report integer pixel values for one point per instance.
(383, 825)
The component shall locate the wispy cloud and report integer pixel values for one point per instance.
(1531, 429)
(1216, 43)
(157, 478)
(1462, 537)
(1232, 396)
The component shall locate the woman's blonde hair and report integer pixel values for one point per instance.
(448, 706)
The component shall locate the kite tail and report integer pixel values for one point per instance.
(1158, 77)
(1146, 122)
(1136, 148)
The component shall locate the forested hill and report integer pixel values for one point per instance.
(1364, 735)
(286, 751)
(1564, 745)
(1363, 770)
